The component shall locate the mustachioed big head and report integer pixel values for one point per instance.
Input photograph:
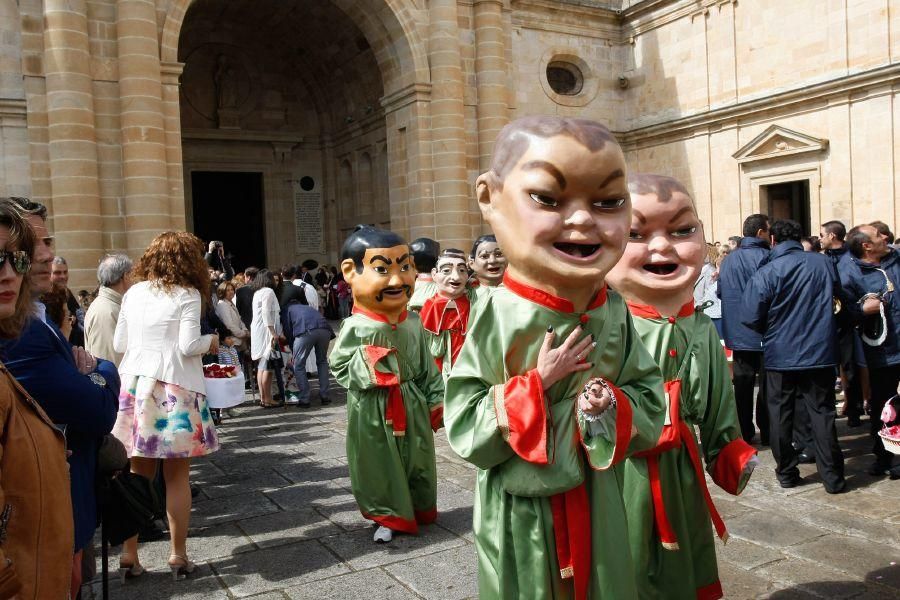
(377, 265)
(450, 274)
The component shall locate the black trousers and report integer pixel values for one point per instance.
(884, 386)
(853, 396)
(812, 389)
(746, 366)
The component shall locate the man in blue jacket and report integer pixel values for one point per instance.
(78, 392)
(870, 280)
(791, 302)
(746, 344)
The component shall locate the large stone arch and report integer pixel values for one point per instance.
(388, 26)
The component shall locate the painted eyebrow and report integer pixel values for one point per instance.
(401, 259)
(637, 215)
(683, 210)
(611, 177)
(381, 258)
(543, 164)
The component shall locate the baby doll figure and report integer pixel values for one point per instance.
(394, 390)
(668, 504)
(445, 316)
(549, 515)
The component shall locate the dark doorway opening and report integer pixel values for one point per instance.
(228, 206)
(789, 200)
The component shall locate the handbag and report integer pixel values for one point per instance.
(274, 360)
(129, 503)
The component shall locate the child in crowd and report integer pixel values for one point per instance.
(445, 316)
(549, 424)
(668, 504)
(394, 389)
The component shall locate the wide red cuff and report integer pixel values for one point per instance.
(437, 417)
(729, 465)
(521, 411)
(374, 355)
(623, 424)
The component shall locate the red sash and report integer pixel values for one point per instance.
(572, 529)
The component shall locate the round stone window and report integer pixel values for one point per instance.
(564, 78)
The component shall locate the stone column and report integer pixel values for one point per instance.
(448, 140)
(144, 162)
(172, 116)
(72, 139)
(490, 77)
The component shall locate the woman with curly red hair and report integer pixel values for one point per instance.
(162, 406)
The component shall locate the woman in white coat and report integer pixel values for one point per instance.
(162, 404)
(266, 338)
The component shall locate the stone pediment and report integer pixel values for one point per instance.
(778, 142)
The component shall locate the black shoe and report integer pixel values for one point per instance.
(895, 472)
(838, 489)
(805, 459)
(304, 403)
(790, 483)
(763, 441)
(854, 422)
(325, 401)
(195, 491)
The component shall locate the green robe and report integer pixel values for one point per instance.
(531, 448)
(706, 401)
(392, 472)
(442, 343)
(425, 289)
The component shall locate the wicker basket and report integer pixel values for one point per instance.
(890, 444)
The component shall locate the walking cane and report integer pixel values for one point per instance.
(104, 559)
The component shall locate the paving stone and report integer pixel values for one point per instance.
(238, 483)
(812, 577)
(746, 555)
(157, 584)
(739, 584)
(331, 447)
(231, 508)
(360, 552)
(448, 575)
(371, 584)
(853, 555)
(771, 529)
(308, 494)
(314, 470)
(346, 515)
(277, 568)
(286, 527)
(202, 544)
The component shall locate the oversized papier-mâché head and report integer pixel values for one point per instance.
(450, 274)
(378, 266)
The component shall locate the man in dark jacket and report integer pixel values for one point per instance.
(791, 301)
(870, 280)
(243, 297)
(746, 344)
(287, 291)
(832, 236)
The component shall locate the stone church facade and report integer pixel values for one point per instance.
(277, 125)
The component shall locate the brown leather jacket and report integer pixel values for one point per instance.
(36, 531)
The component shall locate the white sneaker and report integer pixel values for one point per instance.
(383, 534)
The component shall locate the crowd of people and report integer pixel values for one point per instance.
(597, 314)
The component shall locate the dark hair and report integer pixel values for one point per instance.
(365, 237)
(309, 264)
(250, 273)
(883, 229)
(21, 237)
(425, 253)
(289, 271)
(785, 230)
(736, 239)
(754, 223)
(29, 207)
(56, 302)
(485, 238)
(835, 228)
(856, 237)
(661, 186)
(814, 243)
(515, 138)
(264, 278)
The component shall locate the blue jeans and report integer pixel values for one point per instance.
(314, 339)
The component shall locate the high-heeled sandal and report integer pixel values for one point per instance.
(182, 569)
(130, 571)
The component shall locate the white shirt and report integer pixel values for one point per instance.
(159, 332)
(312, 296)
(265, 315)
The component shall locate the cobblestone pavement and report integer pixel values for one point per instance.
(275, 519)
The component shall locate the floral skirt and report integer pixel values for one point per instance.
(163, 420)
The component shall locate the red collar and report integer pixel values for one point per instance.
(358, 310)
(648, 311)
(547, 299)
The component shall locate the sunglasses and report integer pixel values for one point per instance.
(19, 260)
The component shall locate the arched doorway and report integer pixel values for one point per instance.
(291, 95)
